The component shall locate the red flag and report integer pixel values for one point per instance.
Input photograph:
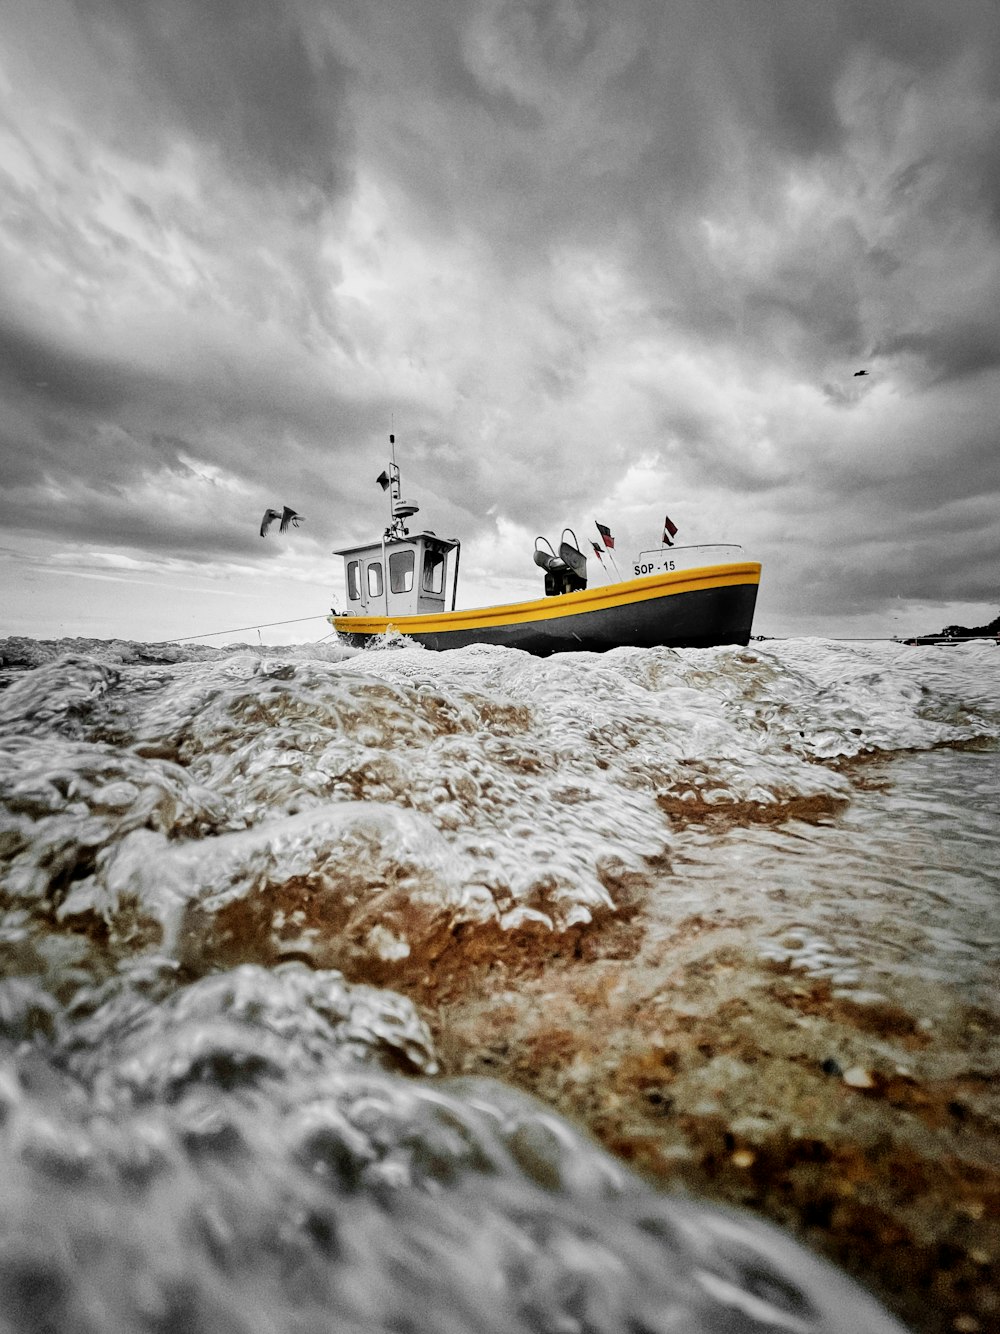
(609, 541)
(669, 531)
(597, 551)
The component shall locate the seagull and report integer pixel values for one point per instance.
(288, 516)
(857, 373)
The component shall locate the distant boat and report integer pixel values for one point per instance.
(679, 597)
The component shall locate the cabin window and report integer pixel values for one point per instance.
(433, 580)
(401, 571)
(375, 579)
(354, 580)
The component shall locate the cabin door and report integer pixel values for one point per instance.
(373, 587)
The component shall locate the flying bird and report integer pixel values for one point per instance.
(857, 373)
(288, 516)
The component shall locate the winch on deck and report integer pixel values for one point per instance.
(565, 573)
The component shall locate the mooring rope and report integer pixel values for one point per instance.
(239, 629)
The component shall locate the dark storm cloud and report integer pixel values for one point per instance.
(691, 83)
(33, 364)
(87, 441)
(64, 418)
(689, 110)
(253, 77)
(953, 349)
(757, 103)
(114, 518)
(148, 495)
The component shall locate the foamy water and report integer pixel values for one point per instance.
(237, 885)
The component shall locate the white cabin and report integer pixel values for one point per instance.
(399, 576)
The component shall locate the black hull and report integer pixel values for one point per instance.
(699, 618)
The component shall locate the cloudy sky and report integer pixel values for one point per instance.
(608, 259)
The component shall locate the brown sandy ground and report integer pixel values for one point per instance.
(866, 1132)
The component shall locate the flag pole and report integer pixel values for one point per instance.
(600, 560)
(611, 554)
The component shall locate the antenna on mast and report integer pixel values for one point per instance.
(400, 509)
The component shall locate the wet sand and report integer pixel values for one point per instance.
(846, 1124)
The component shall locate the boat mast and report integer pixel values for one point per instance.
(399, 510)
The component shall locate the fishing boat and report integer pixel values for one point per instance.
(677, 596)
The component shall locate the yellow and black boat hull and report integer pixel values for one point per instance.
(697, 608)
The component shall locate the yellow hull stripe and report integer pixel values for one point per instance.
(602, 598)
